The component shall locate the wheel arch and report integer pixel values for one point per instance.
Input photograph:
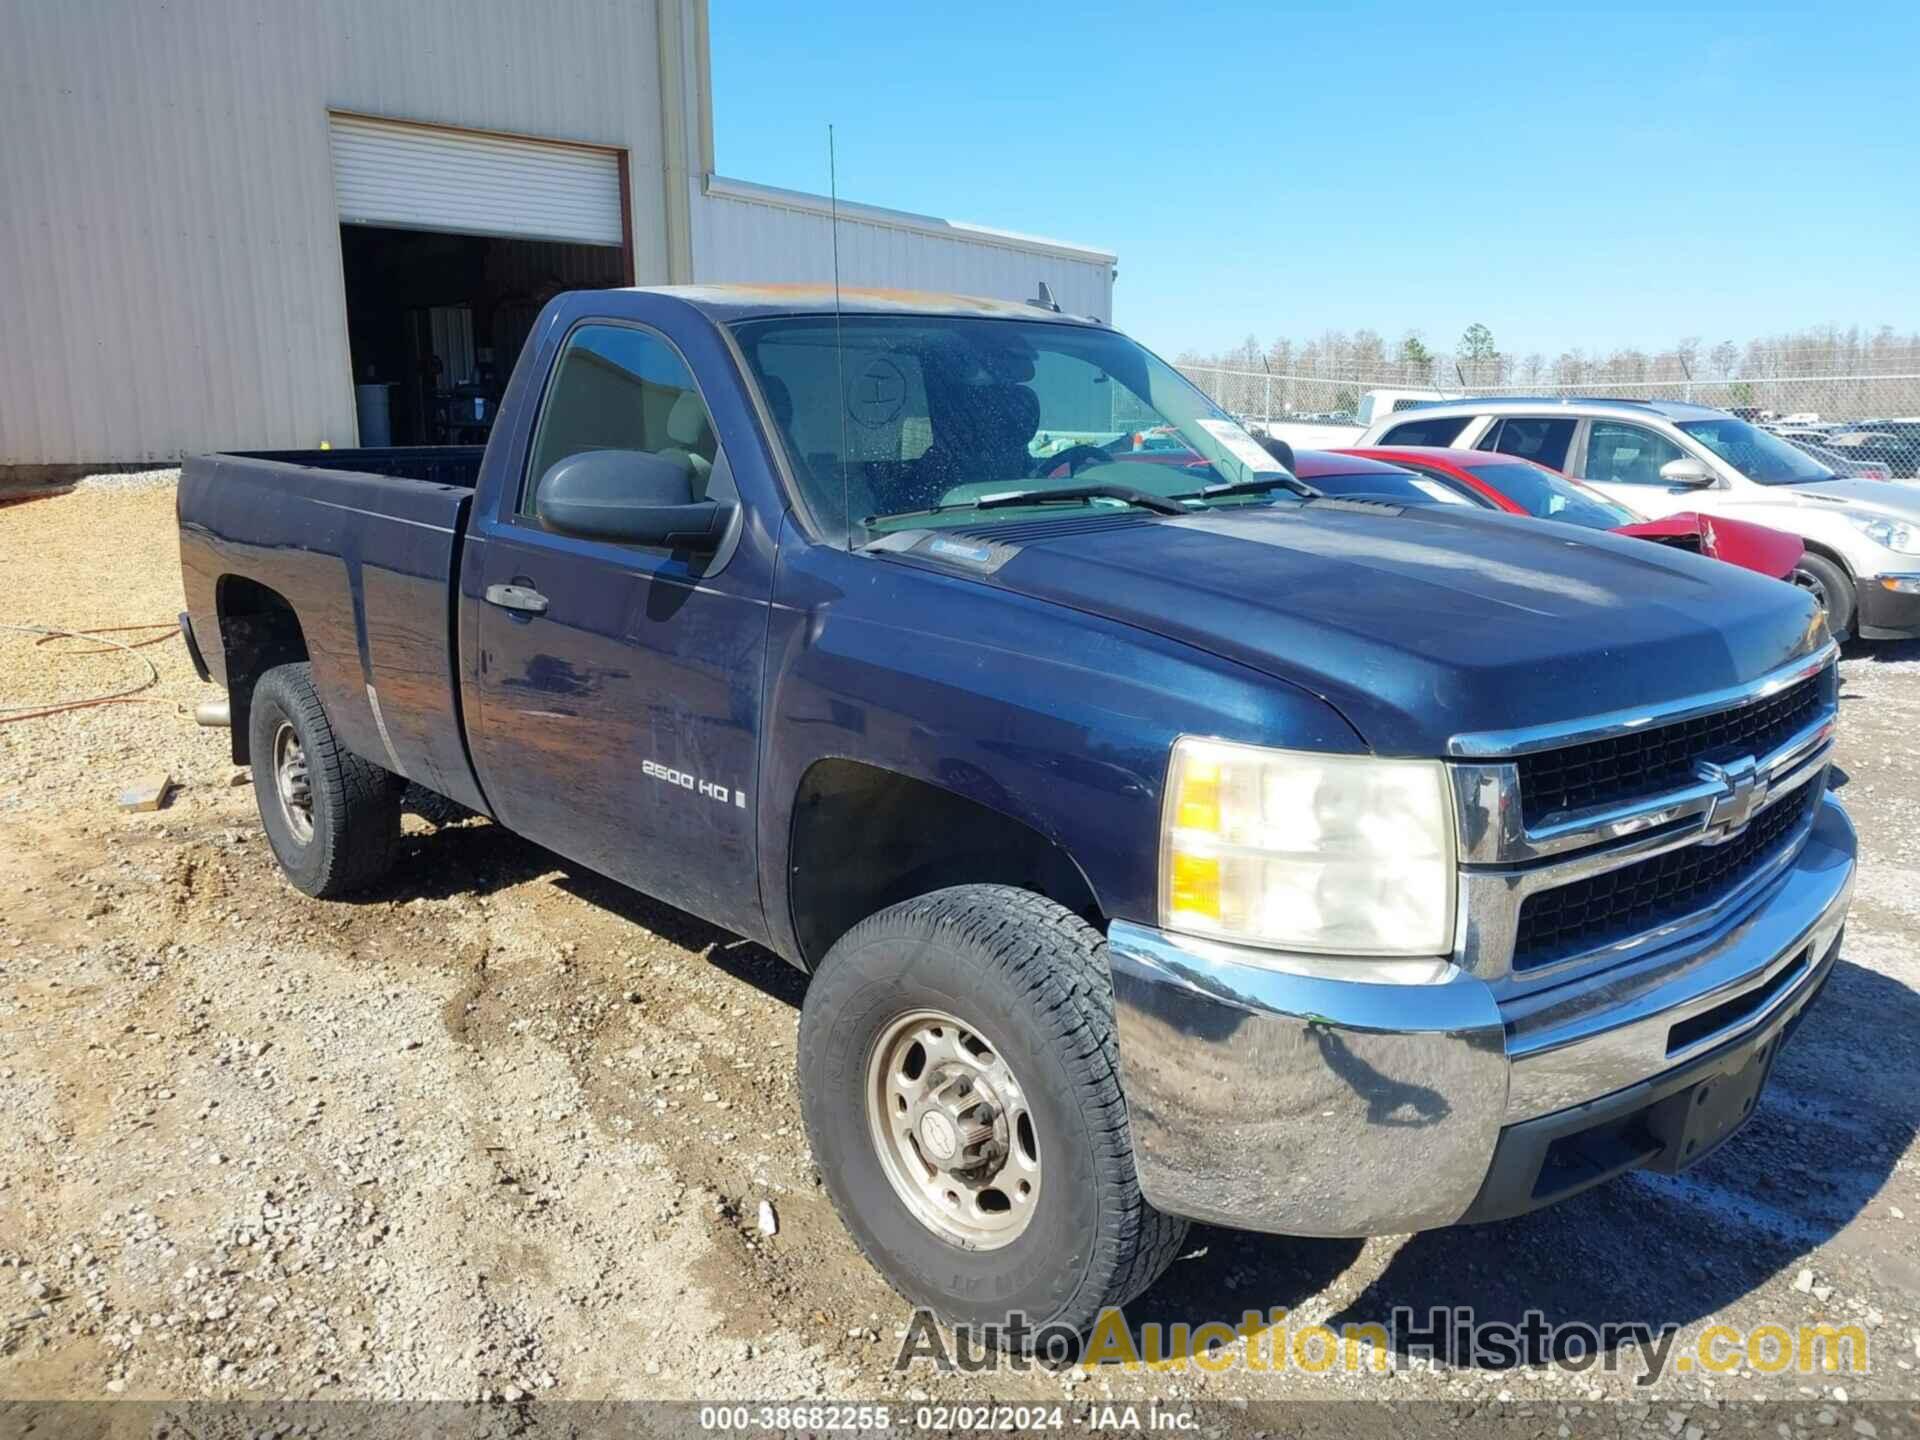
(863, 837)
(1828, 553)
(259, 629)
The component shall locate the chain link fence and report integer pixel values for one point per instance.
(1263, 396)
(1870, 421)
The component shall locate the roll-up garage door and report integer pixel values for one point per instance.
(420, 177)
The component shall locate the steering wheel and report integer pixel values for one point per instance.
(1073, 457)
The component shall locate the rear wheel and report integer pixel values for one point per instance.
(959, 1084)
(1831, 588)
(331, 817)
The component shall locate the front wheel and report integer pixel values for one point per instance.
(959, 1085)
(1831, 588)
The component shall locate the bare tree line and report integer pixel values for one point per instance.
(1477, 361)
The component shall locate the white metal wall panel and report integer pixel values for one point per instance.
(418, 177)
(169, 229)
(169, 237)
(745, 232)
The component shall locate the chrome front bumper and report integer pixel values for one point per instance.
(1281, 1093)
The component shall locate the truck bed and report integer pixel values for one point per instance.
(363, 546)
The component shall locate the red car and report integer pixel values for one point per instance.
(1523, 487)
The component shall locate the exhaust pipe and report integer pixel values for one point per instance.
(214, 714)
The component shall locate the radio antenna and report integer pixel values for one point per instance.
(839, 344)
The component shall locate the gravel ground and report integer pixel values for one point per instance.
(502, 1130)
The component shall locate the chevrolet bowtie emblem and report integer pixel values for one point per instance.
(1742, 791)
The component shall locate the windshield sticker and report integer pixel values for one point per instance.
(1242, 446)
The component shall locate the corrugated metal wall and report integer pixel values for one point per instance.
(170, 274)
(169, 247)
(755, 232)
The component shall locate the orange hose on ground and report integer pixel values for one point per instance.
(169, 626)
(36, 709)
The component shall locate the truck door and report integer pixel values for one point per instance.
(618, 685)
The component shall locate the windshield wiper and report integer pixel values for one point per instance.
(1256, 487)
(1145, 499)
(1159, 504)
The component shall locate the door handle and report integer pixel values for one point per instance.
(517, 597)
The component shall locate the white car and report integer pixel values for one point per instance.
(1658, 456)
(1378, 404)
(1330, 432)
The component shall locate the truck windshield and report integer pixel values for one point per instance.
(896, 421)
(1764, 459)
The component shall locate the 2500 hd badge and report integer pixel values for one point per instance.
(721, 794)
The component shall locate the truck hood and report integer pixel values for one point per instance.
(1417, 624)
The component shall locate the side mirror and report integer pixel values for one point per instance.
(1688, 472)
(631, 497)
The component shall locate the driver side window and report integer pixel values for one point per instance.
(1619, 454)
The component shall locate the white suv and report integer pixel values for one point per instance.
(1662, 457)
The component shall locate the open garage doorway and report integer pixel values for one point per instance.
(450, 242)
(436, 321)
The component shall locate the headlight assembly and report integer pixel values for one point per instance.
(1894, 535)
(1326, 854)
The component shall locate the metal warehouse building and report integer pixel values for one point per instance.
(247, 224)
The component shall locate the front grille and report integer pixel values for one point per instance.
(1628, 767)
(1586, 914)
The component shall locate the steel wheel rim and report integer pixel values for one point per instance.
(292, 783)
(1814, 586)
(955, 1135)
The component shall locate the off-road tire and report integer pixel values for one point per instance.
(1831, 582)
(355, 803)
(1031, 977)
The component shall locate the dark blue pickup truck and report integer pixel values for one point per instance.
(1164, 842)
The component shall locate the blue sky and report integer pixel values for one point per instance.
(1606, 177)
